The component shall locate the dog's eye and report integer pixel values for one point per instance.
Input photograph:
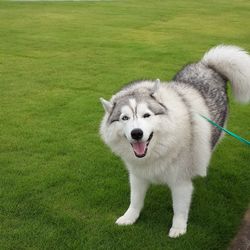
(146, 115)
(125, 118)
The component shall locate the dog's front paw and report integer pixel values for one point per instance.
(176, 232)
(125, 220)
(128, 218)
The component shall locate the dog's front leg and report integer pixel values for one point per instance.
(138, 191)
(181, 194)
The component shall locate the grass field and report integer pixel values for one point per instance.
(60, 187)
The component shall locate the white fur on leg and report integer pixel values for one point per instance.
(181, 193)
(138, 191)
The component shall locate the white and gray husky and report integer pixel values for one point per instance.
(157, 130)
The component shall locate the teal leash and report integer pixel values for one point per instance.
(227, 131)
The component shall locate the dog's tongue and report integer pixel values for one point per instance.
(139, 147)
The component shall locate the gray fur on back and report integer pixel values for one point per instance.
(212, 87)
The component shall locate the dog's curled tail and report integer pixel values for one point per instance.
(233, 63)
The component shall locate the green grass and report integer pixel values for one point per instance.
(61, 188)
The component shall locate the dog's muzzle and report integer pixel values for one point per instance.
(140, 148)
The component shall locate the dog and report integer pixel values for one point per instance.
(157, 129)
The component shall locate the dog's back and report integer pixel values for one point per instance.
(212, 87)
(209, 77)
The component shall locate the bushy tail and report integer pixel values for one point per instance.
(233, 63)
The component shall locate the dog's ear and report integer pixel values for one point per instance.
(156, 86)
(106, 105)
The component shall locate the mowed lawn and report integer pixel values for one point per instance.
(60, 186)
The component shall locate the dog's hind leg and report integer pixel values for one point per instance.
(181, 195)
(139, 188)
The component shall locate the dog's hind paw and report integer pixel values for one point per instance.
(176, 232)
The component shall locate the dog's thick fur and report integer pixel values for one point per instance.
(157, 130)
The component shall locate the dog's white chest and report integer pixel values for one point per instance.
(157, 173)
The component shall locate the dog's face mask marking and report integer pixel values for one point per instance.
(134, 118)
(137, 126)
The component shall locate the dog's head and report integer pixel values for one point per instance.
(132, 119)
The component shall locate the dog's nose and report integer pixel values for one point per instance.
(136, 134)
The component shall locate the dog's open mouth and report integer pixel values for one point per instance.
(140, 148)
